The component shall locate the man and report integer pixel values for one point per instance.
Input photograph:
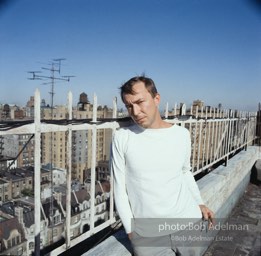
(151, 167)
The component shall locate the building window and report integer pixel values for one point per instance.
(17, 239)
(55, 232)
(31, 245)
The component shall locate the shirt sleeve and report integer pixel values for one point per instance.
(188, 176)
(119, 171)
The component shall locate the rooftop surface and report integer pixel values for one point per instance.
(246, 242)
(241, 242)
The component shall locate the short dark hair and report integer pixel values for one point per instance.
(127, 88)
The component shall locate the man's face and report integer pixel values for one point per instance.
(142, 108)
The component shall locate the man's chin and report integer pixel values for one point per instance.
(142, 124)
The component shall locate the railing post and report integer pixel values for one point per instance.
(167, 111)
(111, 212)
(37, 173)
(94, 110)
(114, 112)
(183, 109)
(194, 142)
(93, 162)
(208, 114)
(175, 109)
(69, 173)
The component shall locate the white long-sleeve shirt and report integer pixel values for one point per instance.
(152, 177)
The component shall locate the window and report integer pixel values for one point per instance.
(31, 245)
(55, 232)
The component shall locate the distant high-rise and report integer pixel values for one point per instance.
(81, 140)
(30, 102)
(198, 103)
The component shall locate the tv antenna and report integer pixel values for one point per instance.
(55, 68)
(36, 75)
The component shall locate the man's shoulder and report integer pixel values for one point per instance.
(121, 136)
(127, 129)
(124, 132)
(181, 129)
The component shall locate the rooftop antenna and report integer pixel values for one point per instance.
(55, 68)
(59, 63)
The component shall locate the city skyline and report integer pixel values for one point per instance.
(197, 49)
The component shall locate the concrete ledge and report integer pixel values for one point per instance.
(220, 190)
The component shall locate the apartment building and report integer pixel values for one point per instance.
(19, 180)
(12, 238)
(18, 217)
(54, 145)
(5, 192)
(5, 112)
(18, 147)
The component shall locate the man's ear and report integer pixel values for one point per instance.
(157, 99)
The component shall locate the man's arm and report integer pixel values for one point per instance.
(118, 168)
(207, 214)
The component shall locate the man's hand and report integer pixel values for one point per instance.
(207, 214)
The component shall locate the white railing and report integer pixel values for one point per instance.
(215, 135)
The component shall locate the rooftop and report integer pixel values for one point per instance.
(243, 242)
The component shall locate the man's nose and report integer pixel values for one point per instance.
(135, 110)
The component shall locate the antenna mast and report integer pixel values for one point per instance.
(55, 68)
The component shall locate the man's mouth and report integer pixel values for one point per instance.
(140, 119)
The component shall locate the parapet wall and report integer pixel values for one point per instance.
(220, 190)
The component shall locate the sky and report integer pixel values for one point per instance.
(192, 49)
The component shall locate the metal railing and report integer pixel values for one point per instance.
(215, 135)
